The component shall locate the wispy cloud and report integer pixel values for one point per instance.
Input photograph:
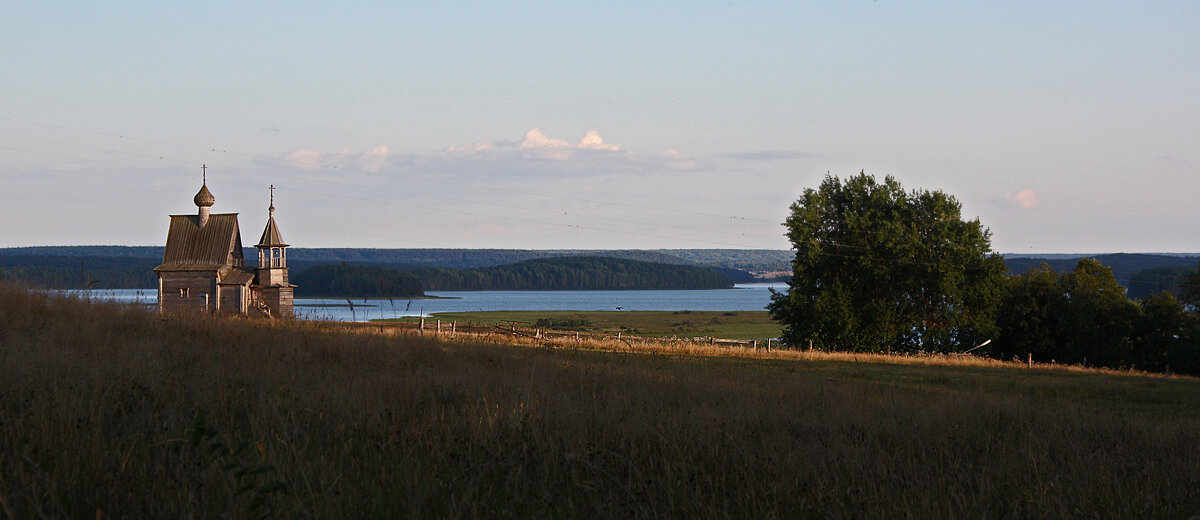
(306, 159)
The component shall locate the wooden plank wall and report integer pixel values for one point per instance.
(198, 284)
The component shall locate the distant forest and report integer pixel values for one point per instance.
(572, 274)
(79, 272)
(1141, 274)
(126, 267)
(738, 264)
(337, 280)
(545, 274)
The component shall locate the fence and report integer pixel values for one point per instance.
(529, 331)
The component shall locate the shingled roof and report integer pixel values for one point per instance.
(237, 276)
(271, 236)
(191, 247)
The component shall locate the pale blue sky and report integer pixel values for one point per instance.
(1066, 127)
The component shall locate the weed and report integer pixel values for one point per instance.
(374, 421)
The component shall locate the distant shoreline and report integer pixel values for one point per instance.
(371, 298)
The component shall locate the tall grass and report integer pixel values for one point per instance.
(112, 409)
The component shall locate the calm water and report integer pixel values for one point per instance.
(743, 297)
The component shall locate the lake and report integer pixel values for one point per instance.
(742, 297)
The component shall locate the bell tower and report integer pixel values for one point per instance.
(271, 277)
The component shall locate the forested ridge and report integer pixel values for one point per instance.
(75, 272)
(745, 259)
(116, 266)
(573, 273)
(337, 280)
(350, 279)
(548, 274)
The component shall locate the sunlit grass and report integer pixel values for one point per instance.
(655, 324)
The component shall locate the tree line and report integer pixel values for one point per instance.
(573, 273)
(340, 280)
(550, 274)
(881, 269)
(1085, 317)
(67, 272)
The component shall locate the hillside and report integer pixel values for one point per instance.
(337, 280)
(112, 411)
(573, 273)
(119, 266)
(1124, 265)
(80, 272)
(549, 274)
(744, 259)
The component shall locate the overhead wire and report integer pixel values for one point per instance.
(359, 186)
(281, 161)
(417, 206)
(380, 188)
(277, 160)
(876, 258)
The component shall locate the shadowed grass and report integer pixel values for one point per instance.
(99, 405)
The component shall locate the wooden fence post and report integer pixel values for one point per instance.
(1029, 360)
(454, 327)
(768, 344)
(422, 326)
(439, 326)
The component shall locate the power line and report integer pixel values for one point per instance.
(256, 157)
(413, 177)
(377, 188)
(427, 208)
(864, 248)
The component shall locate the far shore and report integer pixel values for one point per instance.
(365, 298)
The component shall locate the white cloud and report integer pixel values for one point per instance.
(376, 159)
(1025, 199)
(593, 141)
(471, 148)
(534, 138)
(536, 155)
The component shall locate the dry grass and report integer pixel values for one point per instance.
(699, 347)
(99, 407)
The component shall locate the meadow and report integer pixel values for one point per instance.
(652, 324)
(114, 411)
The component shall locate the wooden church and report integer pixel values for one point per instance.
(204, 269)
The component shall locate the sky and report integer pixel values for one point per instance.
(1066, 127)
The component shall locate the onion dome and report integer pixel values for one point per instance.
(204, 198)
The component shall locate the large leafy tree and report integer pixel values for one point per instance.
(880, 268)
(1083, 315)
(1189, 285)
(1086, 316)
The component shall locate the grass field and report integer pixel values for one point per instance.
(119, 411)
(652, 324)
